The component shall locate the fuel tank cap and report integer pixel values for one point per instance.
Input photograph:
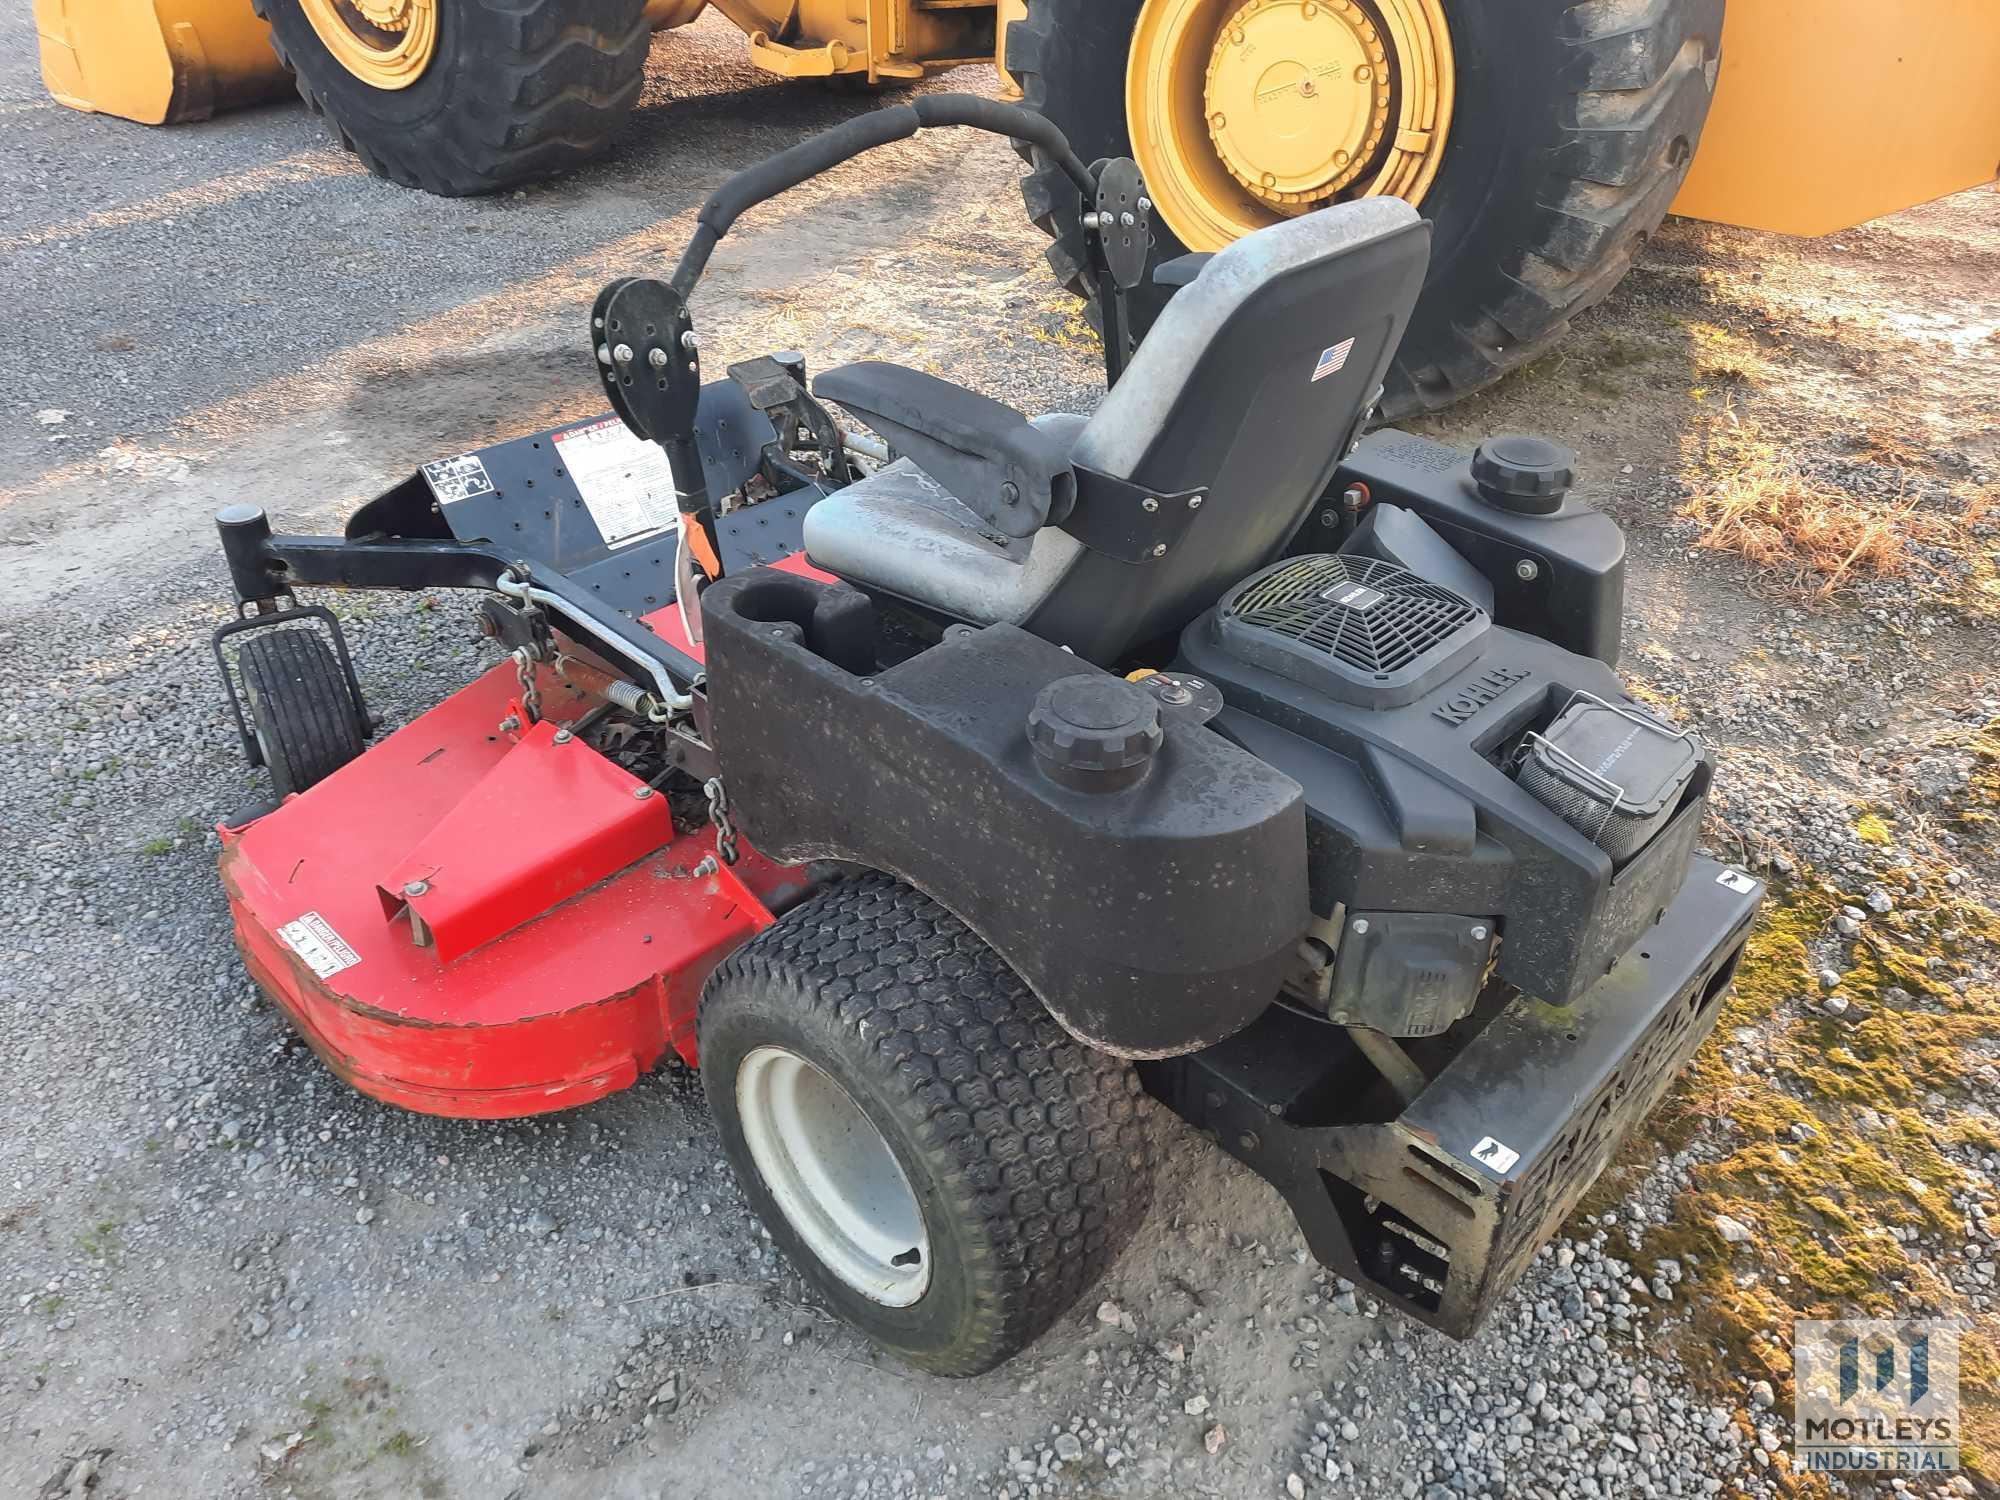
(1527, 475)
(1094, 732)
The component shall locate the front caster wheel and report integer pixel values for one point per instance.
(301, 711)
(942, 1161)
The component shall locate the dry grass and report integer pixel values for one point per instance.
(1758, 500)
(1721, 357)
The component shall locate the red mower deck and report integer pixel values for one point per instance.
(559, 964)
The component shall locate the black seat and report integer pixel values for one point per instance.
(1249, 389)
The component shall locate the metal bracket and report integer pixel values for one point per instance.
(647, 358)
(1128, 522)
(243, 624)
(650, 365)
(513, 625)
(1118, 241)
(1194, 699)
(1124, 225)
(775, 386)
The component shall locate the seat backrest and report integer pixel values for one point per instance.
(1250, 385)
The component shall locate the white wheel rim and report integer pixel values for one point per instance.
(834, 1176)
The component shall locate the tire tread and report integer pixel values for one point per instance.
(1644, 74)
(1050, 1137)
(299, 697)
(558, 79)
(1648, 76)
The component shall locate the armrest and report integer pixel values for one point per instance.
(1006, 470)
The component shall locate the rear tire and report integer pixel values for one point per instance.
(1574, 126)
(516, 91)
(1027, 1154)
(300, 708)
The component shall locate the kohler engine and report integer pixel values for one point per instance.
(1441, 685)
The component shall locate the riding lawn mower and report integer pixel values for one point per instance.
(945, 783)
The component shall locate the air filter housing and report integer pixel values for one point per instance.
(1612, 772)
(1359, 630)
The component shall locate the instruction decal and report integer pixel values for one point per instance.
(312, 937)
(1495, 1154)
(626, 483)
(458, 478)
(1334, 360)
(1736, 881)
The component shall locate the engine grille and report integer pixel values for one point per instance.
(1366, 631)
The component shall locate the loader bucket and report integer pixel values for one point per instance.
(1830, 113)
(157, 61)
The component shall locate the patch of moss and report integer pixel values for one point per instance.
(400, 1444)
(351, 1426)
(1619, 351)
(100, 1241)
(1722, 356)
(1870, 828)
(1064, 322)
(1827, 1147)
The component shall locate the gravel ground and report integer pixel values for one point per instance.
(222, 1273)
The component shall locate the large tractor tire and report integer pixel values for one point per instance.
(460, 97)
(1557, 134)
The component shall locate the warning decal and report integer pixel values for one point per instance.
(458, 478)
(1495, 1154)
(626, 483)
(312, 937)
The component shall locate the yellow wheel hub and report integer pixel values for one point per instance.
(1298, 97)
(1244, 112)
(385, 43)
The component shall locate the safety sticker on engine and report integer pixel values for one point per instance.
(1495, 1154)
(626, 483)
(458, 478)
(312, 937)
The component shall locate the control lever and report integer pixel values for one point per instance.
(776, 386)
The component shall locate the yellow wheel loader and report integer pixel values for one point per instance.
(1545, 139)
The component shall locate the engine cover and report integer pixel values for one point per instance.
(1355, 628)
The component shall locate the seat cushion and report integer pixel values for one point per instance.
(901, 532)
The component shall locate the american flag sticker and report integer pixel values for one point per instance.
(1334, 360)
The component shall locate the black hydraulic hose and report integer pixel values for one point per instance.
(805, 161)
